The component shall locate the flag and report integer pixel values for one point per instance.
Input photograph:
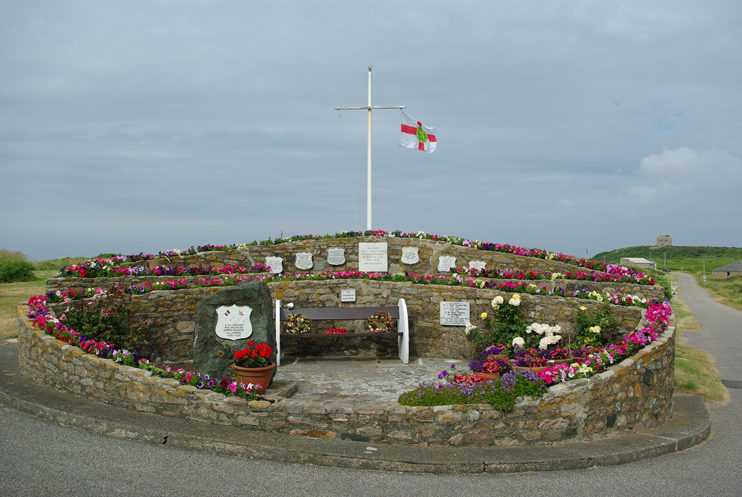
(416, 135)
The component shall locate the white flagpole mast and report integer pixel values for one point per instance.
(369, 107)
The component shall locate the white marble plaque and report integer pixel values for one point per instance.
(477, 265)
(304, 260)
(446, 263)
(335, 256)
(348, 295)
(454, 313)
(410, 255)
(233, 322)
(275, 263)
(372, 257)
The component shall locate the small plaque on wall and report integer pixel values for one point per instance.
(454, 313)
(372, 257)
(446, 263)
(304, 260)
(348, 295)
(335, 256)
(275, 263)
(477, 265)
(410, 255)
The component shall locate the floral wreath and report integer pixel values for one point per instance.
(381, 322)
(297, 324)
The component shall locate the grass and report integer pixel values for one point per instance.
(12, 293)
(690, 260)
(695, 369)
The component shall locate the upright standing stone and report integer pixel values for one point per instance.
(213, 355)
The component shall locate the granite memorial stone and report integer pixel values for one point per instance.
(214, 355)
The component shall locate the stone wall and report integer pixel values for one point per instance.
(169, 316)
(633, 395)
(429, 253)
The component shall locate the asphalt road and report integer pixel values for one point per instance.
(39, 458)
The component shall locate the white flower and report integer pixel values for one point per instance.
(556, 275)
(595, 329)
(518, 342)
(497, 301)
(469, 327)
(514, 300)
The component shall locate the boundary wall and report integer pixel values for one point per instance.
(634, 395)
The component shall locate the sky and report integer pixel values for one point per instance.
(571, 126)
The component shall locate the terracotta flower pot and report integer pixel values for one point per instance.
(489, 376)
(256, 376)
(504, 355)
(568, 360)
(533, 370)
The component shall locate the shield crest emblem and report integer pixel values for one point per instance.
(410, 255)
(233, 322)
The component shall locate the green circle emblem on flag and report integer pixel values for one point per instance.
(422, 136)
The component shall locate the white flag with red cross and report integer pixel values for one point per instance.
(416, 135)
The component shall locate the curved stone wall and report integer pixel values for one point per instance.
(635, 395)
(170, 315)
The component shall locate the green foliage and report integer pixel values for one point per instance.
(57, 264)
(660, 279)
(586, 323)
(686, 259)
(14, 267)
(501, 325)
(109, 318)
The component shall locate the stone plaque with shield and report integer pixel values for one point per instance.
(335, 256)
(304, 260)
(275, 263)
(446, 263)
(410, 255)
(233, 322)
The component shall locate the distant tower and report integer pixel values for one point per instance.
(664, 241)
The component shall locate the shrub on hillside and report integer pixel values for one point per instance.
(14, 267)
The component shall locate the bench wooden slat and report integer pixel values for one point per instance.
(333, 335)
(340, 313)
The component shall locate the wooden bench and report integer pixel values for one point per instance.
(398, 312)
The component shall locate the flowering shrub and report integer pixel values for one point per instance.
(504, 324)
(595, 329)
(297, 324)
(253, 356)
(589, 361)
(501, 392)
(380, 322)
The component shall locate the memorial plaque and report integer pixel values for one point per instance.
(304, 260)
(446, 263)
(410, 255)
(454, 313)
(233, 322)
(319, 266)
(275, 263)
(348, 295)
(335, 256)
(372, 257)
(477, 265)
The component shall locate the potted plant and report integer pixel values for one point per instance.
(497, 352)
(253, 365)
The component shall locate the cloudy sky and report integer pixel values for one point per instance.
(134, 127)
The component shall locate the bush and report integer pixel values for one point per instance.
(14, 267)
(109, 318)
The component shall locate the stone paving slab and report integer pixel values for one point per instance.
(358, 380)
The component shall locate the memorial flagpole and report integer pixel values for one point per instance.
(369, 107)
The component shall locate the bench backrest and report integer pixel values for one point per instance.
(339, 313)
